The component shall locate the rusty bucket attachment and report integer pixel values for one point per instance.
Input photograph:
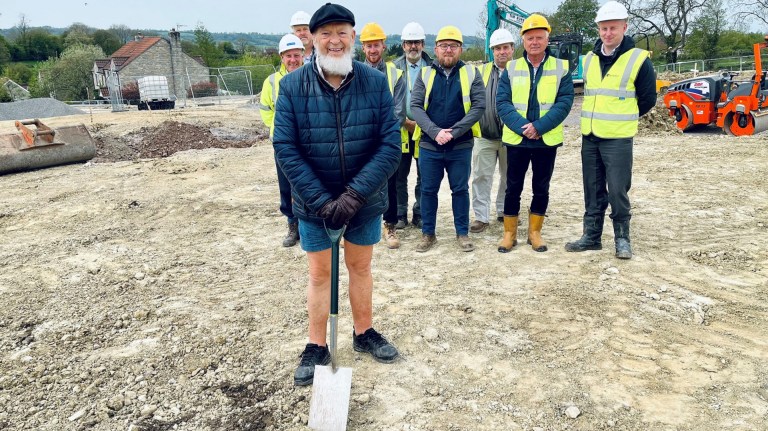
(42, 147)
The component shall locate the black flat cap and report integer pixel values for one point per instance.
(330, 12)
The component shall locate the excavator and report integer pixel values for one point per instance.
(565, 46)
(738, 107)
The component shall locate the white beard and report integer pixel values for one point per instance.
(339, 66)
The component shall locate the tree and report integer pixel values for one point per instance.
(576, 16)
(704, 41)
(206, 47)
(35, 45)
(107, 40)
(122, 32)
(753, 9)
(5, 54)
(69, 77)
(669, 19)
(77, 34)
(395, 50)
(19, 73)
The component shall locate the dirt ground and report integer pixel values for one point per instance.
(153, 294)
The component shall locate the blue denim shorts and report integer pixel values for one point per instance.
(313, 236)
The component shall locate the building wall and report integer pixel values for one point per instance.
(179, 68)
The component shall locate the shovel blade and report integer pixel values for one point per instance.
(329, 407)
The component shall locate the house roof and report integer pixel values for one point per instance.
(135, 48)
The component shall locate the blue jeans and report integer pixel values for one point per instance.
(433, 164)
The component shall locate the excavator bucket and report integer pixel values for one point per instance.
(41, 146)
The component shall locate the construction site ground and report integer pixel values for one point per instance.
(146, 292)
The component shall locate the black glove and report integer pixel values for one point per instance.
(341, 210)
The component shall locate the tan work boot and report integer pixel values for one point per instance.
(390, 235)
(509, 239)
(427, 241)
(464, 243)
(535, 221)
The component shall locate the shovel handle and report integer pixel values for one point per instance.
(335, 236)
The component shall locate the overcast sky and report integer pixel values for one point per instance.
(249, 16)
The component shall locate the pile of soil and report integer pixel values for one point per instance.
(658, 121)
(169, 138)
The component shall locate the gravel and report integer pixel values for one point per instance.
(36, 108)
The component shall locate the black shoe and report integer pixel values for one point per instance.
(402, 222)
(374, 343)
(623, 248)
(416, 222)
(311, 356)
(292, 237)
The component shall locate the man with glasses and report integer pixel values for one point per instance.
(411, 62)
(448, 100)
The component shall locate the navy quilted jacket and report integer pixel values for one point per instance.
(326, 140)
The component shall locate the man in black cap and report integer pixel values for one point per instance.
(337, 140)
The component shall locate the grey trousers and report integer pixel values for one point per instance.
(485, 156)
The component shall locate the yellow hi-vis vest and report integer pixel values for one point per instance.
(466, 76)
(609, 109)
(393, 74)
(269, 92)
(552, 73)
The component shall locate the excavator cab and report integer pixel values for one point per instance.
(568, 47)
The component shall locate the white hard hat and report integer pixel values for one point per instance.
(288, 42)
(300, 18)
(413, 31)
(501, 36)
(610, 11)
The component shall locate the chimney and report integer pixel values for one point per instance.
(138, 37)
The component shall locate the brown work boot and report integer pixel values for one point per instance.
(477, 226)
(465, 244)
(509, 239)
(390, 235)
(535, 221)
(427, 241)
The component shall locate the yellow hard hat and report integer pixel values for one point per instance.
(449, 32)
(372, 31)
(535, 21)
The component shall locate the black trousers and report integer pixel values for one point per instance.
(606, 166)
(390, 215)
(542, 162)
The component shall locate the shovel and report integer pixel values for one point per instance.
(329, 407)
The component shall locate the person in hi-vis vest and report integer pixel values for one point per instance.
(488, 149)
(535, 96)
(373, 39)
(291, 52)
(447, 100)
(619, 88)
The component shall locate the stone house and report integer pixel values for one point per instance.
(150, 56)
